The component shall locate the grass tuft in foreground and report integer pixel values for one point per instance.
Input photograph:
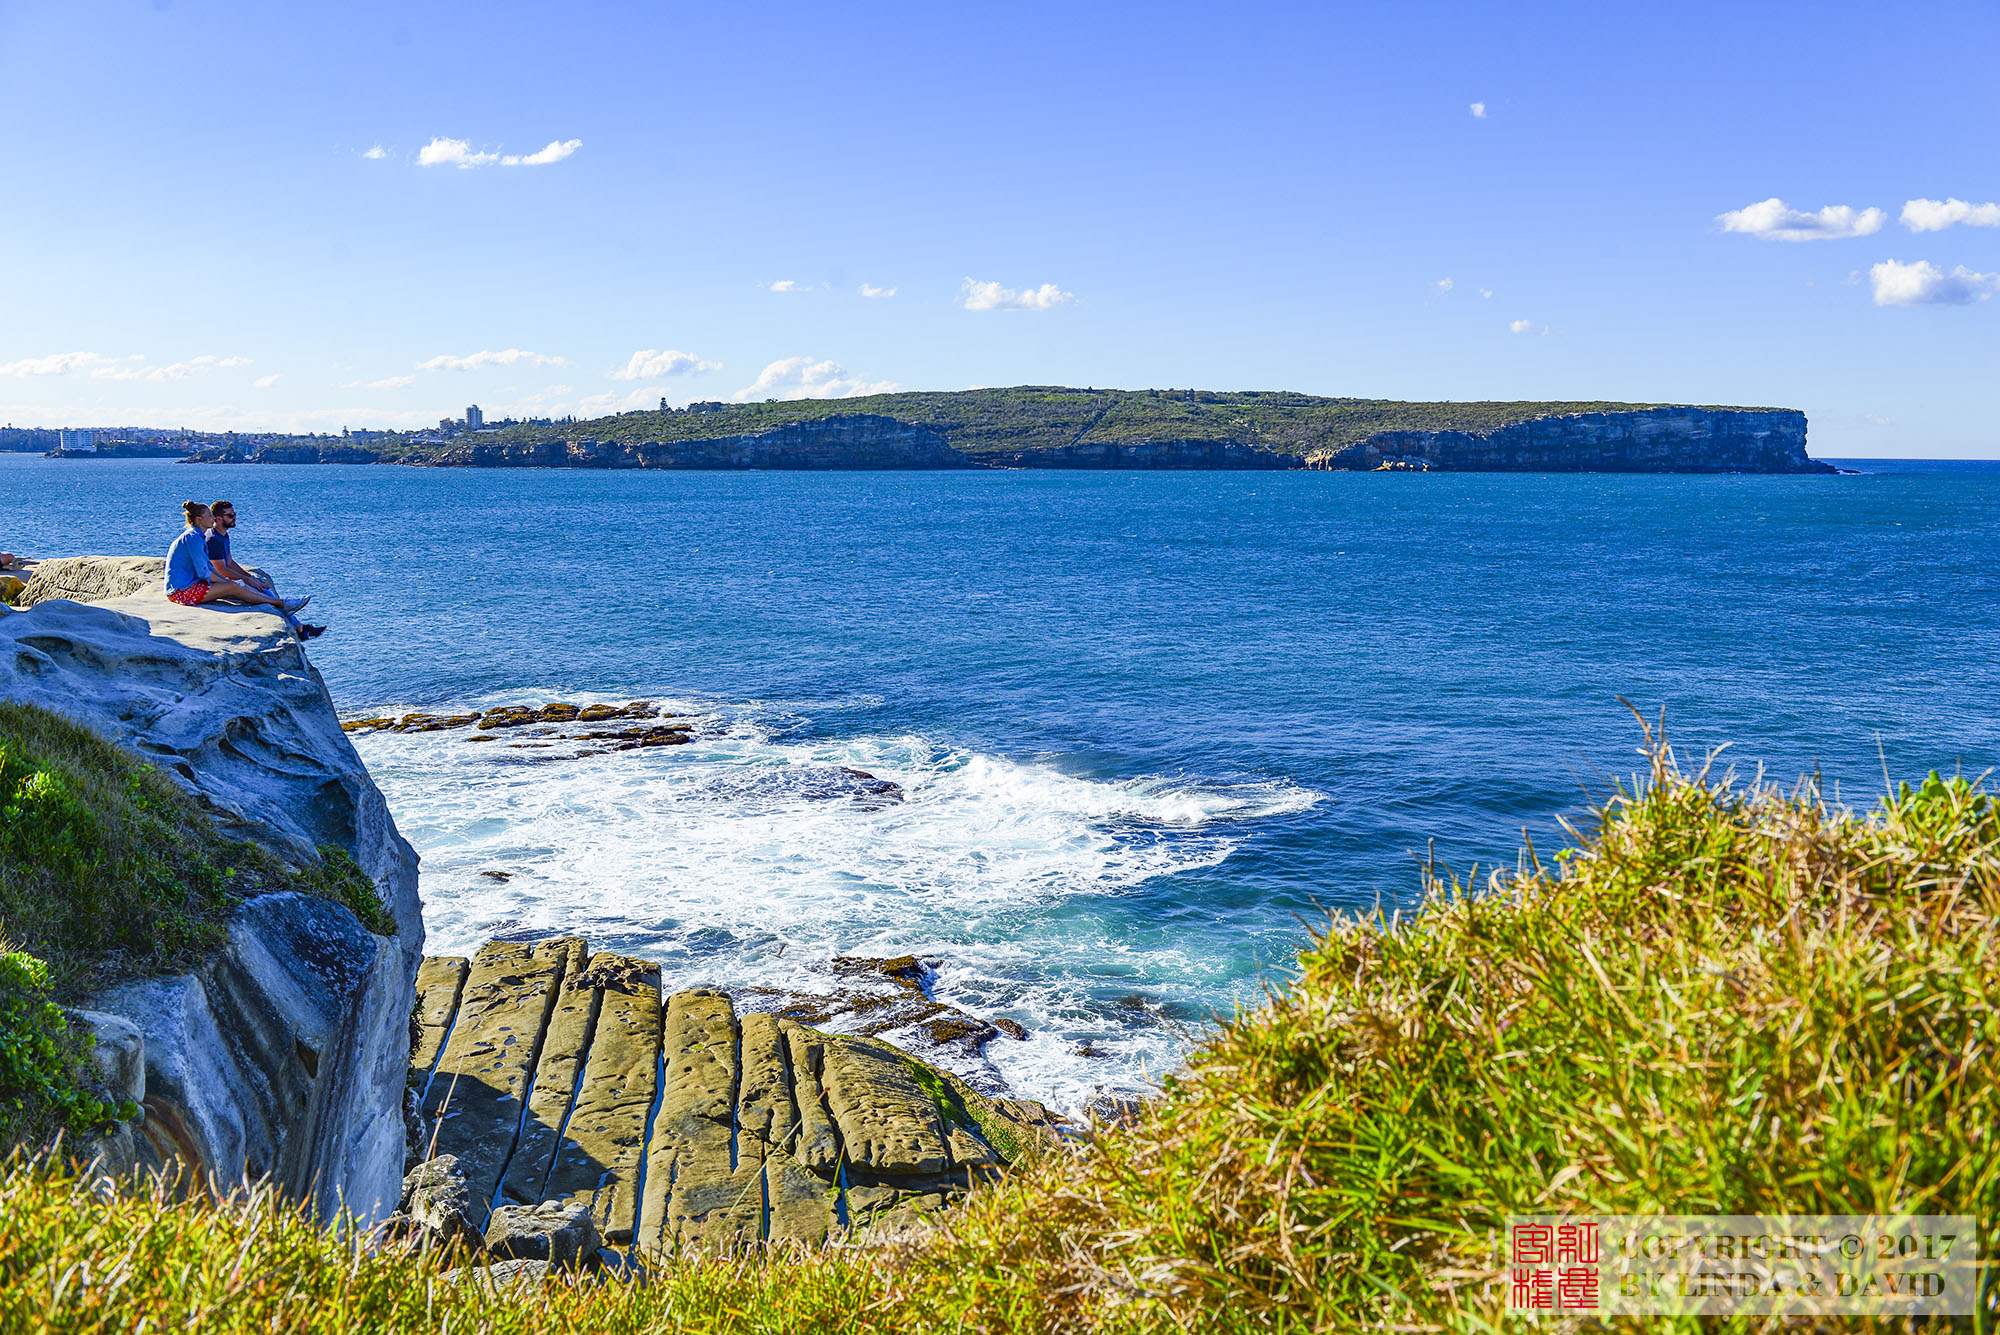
(1724, 1000)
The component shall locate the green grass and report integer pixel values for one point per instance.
(1721, 1000)
(109, 871)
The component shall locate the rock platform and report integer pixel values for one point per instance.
(554, 1074)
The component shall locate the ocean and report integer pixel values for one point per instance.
(1151, 728)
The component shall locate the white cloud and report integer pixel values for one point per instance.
(804, 378)
(1924, 284)
(506, 357)
(452, 153)
(119, 368)
(650, 364)
(978, 296)
(376, 154)
(1772, 221)
(786, 285)
(387, 382)
(1876, 419)
(59, 363)
(1479, 111)
(1444, 284)
(874, 292)
(557, 150)
(459, 153)
(1934, 215)
(1485, 294)
(264, 381)
(1521, 327)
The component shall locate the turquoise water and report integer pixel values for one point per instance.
(1149, 725)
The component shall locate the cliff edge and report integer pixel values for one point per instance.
(1652, 440)
(283, 1054)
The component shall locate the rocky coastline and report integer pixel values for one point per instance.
(1668, 439)
(281, 1056)
(534, 1104)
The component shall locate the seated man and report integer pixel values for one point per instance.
(223, 515)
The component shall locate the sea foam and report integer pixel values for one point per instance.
(750, 857)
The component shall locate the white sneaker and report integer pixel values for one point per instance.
(294, 604)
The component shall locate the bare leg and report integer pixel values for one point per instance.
(219, 589)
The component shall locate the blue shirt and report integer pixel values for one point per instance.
(187, 560)
(218, 545)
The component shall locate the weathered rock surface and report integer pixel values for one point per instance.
(284, 1054)
(558, 1232)
(477, 1104)
(1653, 440)
(437, 1200)
(94, 579)
(597, 1161)
(760, 1129)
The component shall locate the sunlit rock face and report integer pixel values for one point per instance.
(284, 1054)
(1653, 440)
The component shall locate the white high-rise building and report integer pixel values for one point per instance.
(474, 419)
(84, 442)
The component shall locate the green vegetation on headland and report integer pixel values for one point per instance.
(110, 871)
(1041, 417)
(1723, 1000)
(1058, 426)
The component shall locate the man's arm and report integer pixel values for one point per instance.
(228, 566)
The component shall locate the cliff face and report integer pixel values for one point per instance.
(1638, 440)
(1655, 440)
(857, 441)
(284, 1053)
(1210, 454)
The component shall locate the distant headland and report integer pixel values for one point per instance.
(1040, 426)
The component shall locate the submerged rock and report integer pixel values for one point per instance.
(887, 998)
(785, 784)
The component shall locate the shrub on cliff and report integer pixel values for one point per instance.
(47, 1082)
(1722, 1001)
(108, 869)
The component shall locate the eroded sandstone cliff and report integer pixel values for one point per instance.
(1653, 440)
(284, 1054)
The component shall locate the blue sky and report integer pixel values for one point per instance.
(193, 231)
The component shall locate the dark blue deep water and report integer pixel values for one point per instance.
(1150, 725)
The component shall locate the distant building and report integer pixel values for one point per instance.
(706, 407)
(447, 425)
(474, 419)
(83, 442)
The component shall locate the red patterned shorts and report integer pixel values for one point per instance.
(191, 596)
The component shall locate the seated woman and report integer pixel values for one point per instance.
(192, 581)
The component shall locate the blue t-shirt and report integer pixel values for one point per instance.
(187, 560)
(218, 546)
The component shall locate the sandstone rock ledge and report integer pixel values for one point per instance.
(283, 1055)
(554, 1075)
